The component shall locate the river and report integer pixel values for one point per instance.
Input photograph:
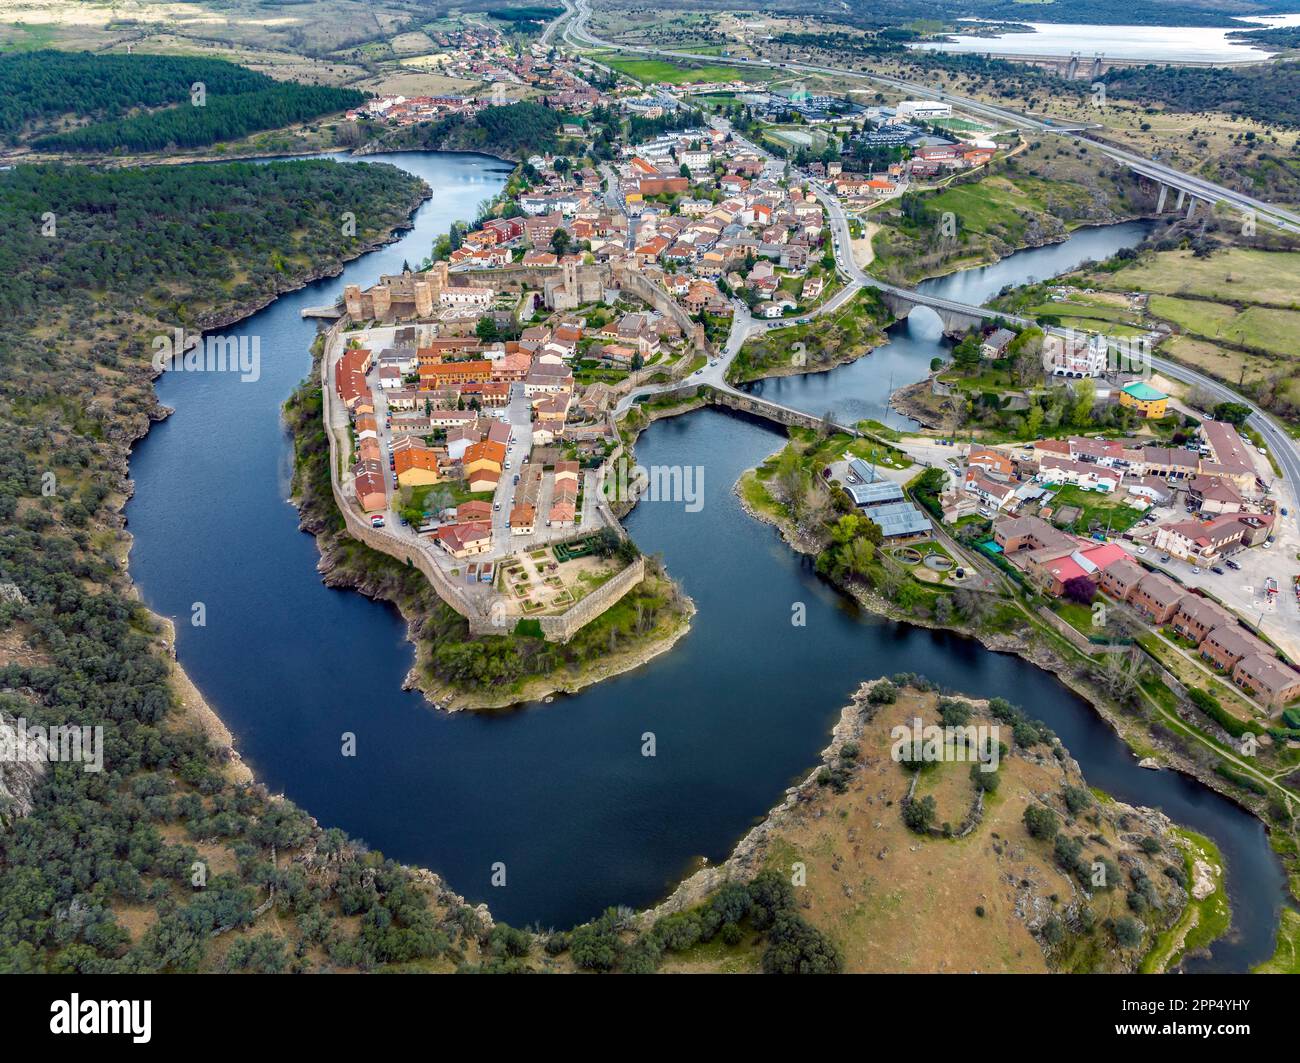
(559, 794)
(861, 389)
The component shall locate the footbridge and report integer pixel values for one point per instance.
(733, 399)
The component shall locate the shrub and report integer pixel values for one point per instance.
(1128, 931)
(1041, 822)
(1076, 799)
(918, 814)
(794, 947)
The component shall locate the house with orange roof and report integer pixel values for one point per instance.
(487, 455)
(465, 540)
(416, 464)
(523, 519)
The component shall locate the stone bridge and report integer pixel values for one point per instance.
(758, 407)
(957, 318)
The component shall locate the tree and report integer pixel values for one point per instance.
(1079, 589)
(795, 947)
(486, 329)
(966, 355)
(559, 241)
(919, 813)
(1128, 932)
(1041, 822)
(1085, 398)
(1033, 421)
(1233, 412)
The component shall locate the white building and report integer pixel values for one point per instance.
(468, 296)
(924, 110)
(1074, 355)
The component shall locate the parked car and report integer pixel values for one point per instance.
(1196, 571)
(1141, 549)
(1216, 570)
(376, 521)
(1231, 564)
(496, 505)
(1164, 559)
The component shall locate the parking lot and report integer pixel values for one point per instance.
(1241, 589)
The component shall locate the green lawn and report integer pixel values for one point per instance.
(1099, 507)
(659, 70)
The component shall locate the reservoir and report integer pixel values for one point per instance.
(560, 793)
(1156, 44)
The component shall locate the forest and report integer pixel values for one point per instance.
(38, 86)
(220, 118)
(130, 253)
(513, 131)
(1266, 94)
(891, 13)
(148, 102)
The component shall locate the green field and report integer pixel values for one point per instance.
(1256, 326)
(1261, 277)
(1099, 507)
(650, 71)
(1085, 313)
(997, 203)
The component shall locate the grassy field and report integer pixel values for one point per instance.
(1270, 278)
(1094, 506)
(1106, 312)
(1219, 303)
(651, 71)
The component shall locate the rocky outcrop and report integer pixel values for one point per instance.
(19, 777)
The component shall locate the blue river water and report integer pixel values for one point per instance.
(559, 793)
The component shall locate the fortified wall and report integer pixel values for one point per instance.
(477, 611)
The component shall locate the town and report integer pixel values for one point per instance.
(478, 400)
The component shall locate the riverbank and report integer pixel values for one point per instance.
(824, 342)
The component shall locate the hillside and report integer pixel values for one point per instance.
(82, 102)
(102, 872)
(1051, 875)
